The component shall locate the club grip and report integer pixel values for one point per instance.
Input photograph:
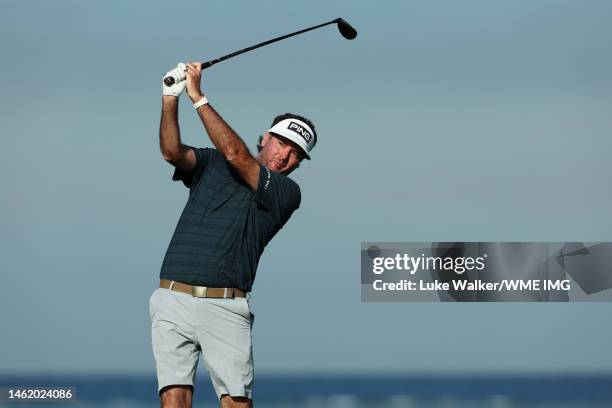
(169, 81)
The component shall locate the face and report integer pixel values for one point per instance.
(279, 154)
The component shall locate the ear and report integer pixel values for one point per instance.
(265, 139)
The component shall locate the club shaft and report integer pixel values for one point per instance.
(282, 37)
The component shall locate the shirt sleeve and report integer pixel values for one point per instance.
(278, 194)
(191, 178)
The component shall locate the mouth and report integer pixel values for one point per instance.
(277, 164)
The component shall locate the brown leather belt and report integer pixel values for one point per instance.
(201, 291)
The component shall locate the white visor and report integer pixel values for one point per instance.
(298, 132)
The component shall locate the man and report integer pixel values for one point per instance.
(236, 204)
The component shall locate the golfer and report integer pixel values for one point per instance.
(236, 204)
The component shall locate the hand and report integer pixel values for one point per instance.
(178, 87)
(194, 77)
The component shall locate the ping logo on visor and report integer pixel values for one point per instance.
(300, 130)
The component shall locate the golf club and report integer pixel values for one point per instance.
(345, 29)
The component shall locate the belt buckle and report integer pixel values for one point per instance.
(199, 291)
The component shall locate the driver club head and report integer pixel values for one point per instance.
(346, 30)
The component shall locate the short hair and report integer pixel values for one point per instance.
(290, 116)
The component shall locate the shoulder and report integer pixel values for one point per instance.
(212, 157)
(294, 188)
(277, 190)
(204, 158)
(287, 187)
(210, 152)
(203, 154)
(284, 182)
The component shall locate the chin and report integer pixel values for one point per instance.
(280, 170)
(272, 166)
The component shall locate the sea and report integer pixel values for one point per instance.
(338, 391)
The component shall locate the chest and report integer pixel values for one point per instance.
(220, 188)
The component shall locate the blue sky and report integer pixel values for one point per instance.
(442, 121)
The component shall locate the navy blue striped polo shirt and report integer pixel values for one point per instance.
(225, 226)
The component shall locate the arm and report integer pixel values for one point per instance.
(170, 137)
(227, 142)
(169, 134)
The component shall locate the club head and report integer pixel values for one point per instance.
(346, 30)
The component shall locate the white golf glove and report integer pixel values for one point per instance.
(179, 76)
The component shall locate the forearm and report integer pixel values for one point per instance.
(223, 137)
(169, 133)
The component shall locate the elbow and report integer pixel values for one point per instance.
(236, 152)
(169, 155)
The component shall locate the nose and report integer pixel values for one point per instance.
(285, 152)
